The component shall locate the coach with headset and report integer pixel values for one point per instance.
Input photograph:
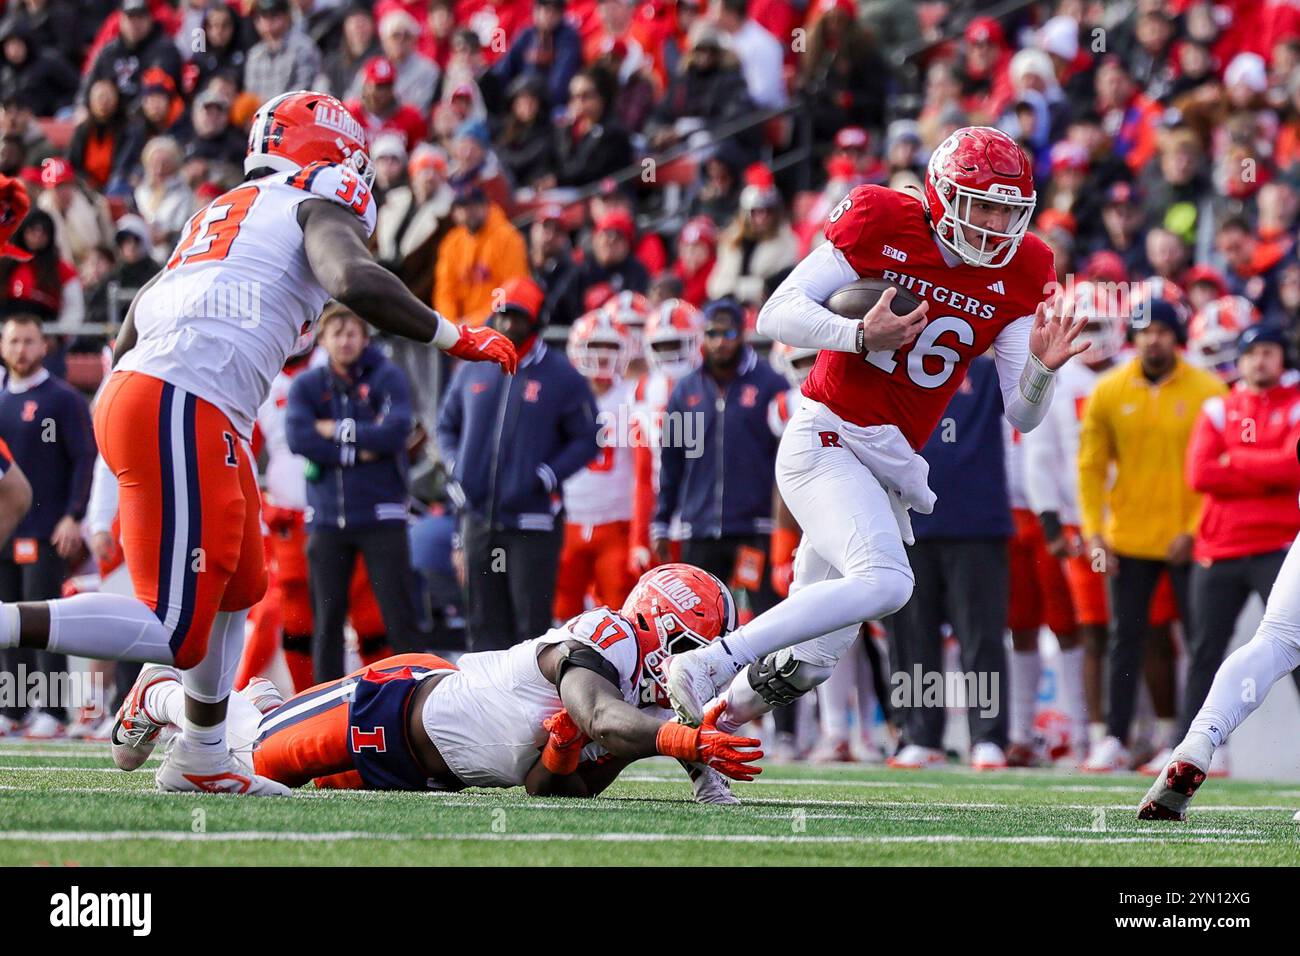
(1243, 459)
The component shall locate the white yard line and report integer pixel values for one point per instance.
(339, 836)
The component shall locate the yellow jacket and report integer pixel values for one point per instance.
(1144, 429)
(472, 265)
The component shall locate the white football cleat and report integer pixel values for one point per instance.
(263, 695)
(916, 757)
(692, 682)
(43, 726)
(135, 731)
(987, 756)
(1171, 794)
(10, 727)
(1107, 757)
(1157, 763)
(710, 786)
(832, 751)
(187, 771)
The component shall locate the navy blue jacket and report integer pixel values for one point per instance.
(511, 441)
(722, 485)
(968, 472)
(47, 428)
(566, 61)
(373, 411)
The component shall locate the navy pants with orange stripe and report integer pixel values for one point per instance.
(189, 506)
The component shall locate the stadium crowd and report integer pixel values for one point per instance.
(618, 186)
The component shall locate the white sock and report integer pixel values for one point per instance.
(1026, 668)
(165, 702)
(743, 705)
(1072, 694)
(212, 679)
(111, 627)
(8, 625)
(819, 608)
(1243, 681)
(834, 697)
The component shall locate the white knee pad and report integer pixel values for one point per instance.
(1284, 635)
(883, 591)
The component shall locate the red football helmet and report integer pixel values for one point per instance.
(1101, 305)
(1212, 337)
(630, 310)
(979, 164)
(675, 608)
(291, 130)
(598, 346)
(674, 335)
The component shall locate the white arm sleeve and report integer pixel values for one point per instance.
(1010, 353)
(795, 314)
(102, 506)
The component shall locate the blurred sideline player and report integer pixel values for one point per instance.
(598, 498)
(847, 466)
(198, 351)
(284, 512)
(674, 338)
(519, 717)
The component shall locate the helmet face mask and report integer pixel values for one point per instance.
(674, 338)
(979, 165)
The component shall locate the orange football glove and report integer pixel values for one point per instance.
(726, 753)
(783, 543)
(485, 345)
(14, 206)
(564, 746)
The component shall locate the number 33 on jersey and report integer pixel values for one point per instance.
(885, 234)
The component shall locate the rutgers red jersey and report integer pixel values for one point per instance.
(884, 234)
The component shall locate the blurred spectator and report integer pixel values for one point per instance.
(1166, 255)
(960, 560)
(697, 246)
(1250, 266)
(842, 74)
(708, 91)
(1276, 209)
(647, 246)
(159, 111)
(1242, 457)
(223, 44)
(1177, 187)
(16, 120)
(761, 55)
(1286, 312)
(283, 59)
(45, 286)
(985, 74)
(389, 154)
(467, 76)
(1137, 425)
(476, 258)
(162, 198)
(524, 145)
(759, 243)
(716, 194)
(95, 273)
(635, 92)
(1123, 220)
(359, 46)
(140, 44)
(1126, 109)
(474, 163)
(414, 219)
(1034, 83)
(1150, 58)
(550, 258)
(48, 79)
(95, 141)
(379, 110)
(34, 561)
(611, 268)
(81, 219)
(549, 50)
(942, 98)
(724, 501)
(417, 77)
(440, 24)
(350, 419)
(589, 144)
(614, 23)
(134, 243)
(50, 26)
(210, 146)
(510, 442)
(1059, 38)
(320, 21)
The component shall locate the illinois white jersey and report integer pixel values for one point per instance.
(486, 718)
(237, 294)
(601, 492)
(286, 478)
(1052, 449)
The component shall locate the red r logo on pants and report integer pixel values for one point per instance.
(830, 439)
(374, 739)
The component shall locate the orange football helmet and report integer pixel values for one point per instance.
(1212, 337)
(599, 347)
(675, 608)
(630, 310)
(292, 130)
(674, 337)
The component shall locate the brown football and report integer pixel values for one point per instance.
(855, 299)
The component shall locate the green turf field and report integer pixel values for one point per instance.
(65, 804)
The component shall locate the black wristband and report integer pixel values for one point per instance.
(862, 346)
